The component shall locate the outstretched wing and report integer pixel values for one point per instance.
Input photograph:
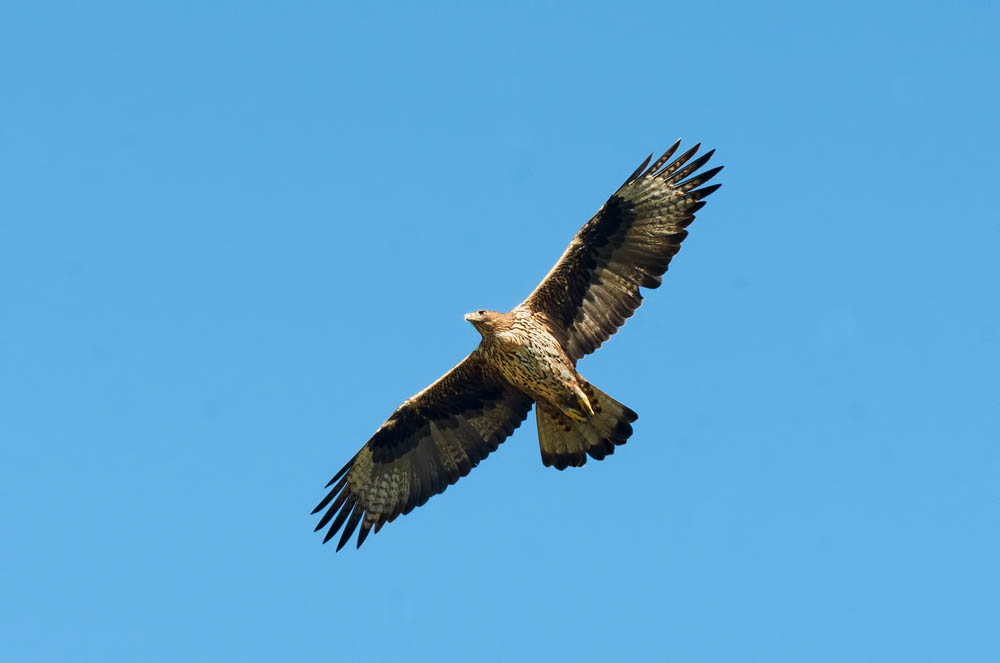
(629, 243)
(429, 443)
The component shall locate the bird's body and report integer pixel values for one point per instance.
(528, 357)
(519, 346)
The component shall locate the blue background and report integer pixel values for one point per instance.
(234, 237)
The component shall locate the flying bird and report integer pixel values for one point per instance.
(527, 357)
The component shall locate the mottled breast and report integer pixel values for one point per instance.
(532, 360)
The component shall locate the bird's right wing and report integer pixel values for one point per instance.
(629, 243)
(429, 443)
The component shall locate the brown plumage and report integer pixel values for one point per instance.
(529, 356)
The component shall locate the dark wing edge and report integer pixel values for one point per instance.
(594, 287)
(430, 442)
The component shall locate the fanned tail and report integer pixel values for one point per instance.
(565, 443)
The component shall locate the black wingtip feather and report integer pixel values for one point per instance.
(366, 527)
(342, 471)
(669, 170)
(700, 179)
(663, 159)
(330, 495)
(704, 192)
(638, 171)
(690, 168)
(341, 498)
(349, 528)
(341, 517)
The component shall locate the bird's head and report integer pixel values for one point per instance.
(482, 320)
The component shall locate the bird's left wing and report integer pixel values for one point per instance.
(429, 443)
(629, 243)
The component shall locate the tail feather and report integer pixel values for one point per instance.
(565, 442)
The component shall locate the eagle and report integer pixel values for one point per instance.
(527, 357)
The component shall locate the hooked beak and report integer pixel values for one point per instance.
(468, 317)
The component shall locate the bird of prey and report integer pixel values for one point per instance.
(527, 357)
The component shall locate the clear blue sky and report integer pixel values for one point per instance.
(234, 238)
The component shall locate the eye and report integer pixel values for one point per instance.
(480, 312)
